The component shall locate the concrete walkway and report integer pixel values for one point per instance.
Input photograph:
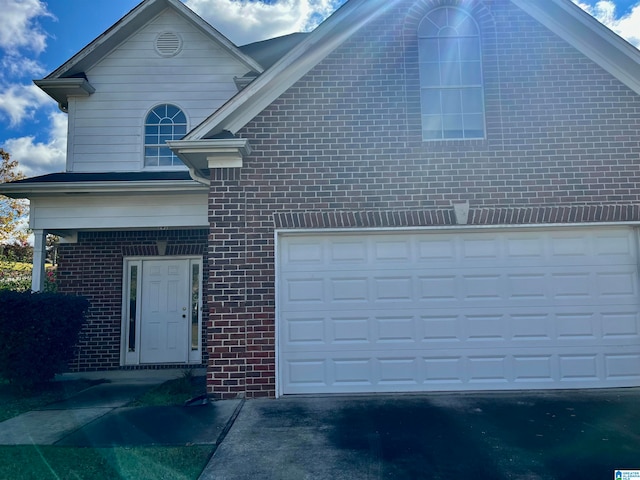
(98, 416)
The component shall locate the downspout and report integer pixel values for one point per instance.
(193, 173)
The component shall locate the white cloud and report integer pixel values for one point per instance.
(21, 102)
(627, 26)
(17, 66)
(39, 158)
(244, 21)
(18, 28)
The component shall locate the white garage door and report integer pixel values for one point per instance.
(427, 311)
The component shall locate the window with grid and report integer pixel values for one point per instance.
(163, 123)
(451, 85)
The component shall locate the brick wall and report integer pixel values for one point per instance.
(93, 267)
(343, 148)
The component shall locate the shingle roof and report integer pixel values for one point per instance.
(268, 52)
(68, 177)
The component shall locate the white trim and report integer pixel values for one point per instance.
(276, 289)
(39, 258)
(130, 188)
(195, 356)
(450, 228)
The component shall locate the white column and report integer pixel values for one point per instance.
(39, 257)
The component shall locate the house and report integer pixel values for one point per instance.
(419, 195)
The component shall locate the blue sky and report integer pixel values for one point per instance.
(37, 36)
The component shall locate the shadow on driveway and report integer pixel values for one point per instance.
(518, 435)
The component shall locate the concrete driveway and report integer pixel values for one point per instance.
(519, 435)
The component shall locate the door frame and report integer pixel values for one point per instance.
(132, 312)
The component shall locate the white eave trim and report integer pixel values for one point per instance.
(76, 188)
(60, 89)
(201, 155)
(597, 42)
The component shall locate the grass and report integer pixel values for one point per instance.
(140, 463)
(173, 392)
(14, 401)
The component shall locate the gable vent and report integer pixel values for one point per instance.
(168, 44)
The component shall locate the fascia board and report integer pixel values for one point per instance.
(243, 107)
(586, 34)
(60, 89)
(133, 21)
(129, 188)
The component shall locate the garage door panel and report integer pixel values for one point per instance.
(471, 370)
(622, 367)
(621, 325)
(418, 311)
(523, 327)
(551, 285)
(469, 250)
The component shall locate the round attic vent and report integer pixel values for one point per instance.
(168, 44)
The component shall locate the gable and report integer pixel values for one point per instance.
(529, 72)
(135, 77)
(569, 22)
(559, 127)
(130, 24)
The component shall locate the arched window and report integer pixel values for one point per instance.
(163, 123)
(451, 75)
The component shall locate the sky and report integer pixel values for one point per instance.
(37, 36)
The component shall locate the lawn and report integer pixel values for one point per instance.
(14, 401)
(173, 392)
(51, 462)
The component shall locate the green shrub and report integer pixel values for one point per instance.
(38, 335)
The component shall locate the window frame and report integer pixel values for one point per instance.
(163, 135)
(445, 96)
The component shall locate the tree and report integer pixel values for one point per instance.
(12, 211)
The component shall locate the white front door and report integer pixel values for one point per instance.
(165, 311)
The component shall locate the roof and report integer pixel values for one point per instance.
(106, 177)
(562, 17)
(111, 182)
(268, 52)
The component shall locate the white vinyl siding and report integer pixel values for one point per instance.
(429, 311)
(119, 211)
(106, 129)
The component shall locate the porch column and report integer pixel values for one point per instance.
(39, 257)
